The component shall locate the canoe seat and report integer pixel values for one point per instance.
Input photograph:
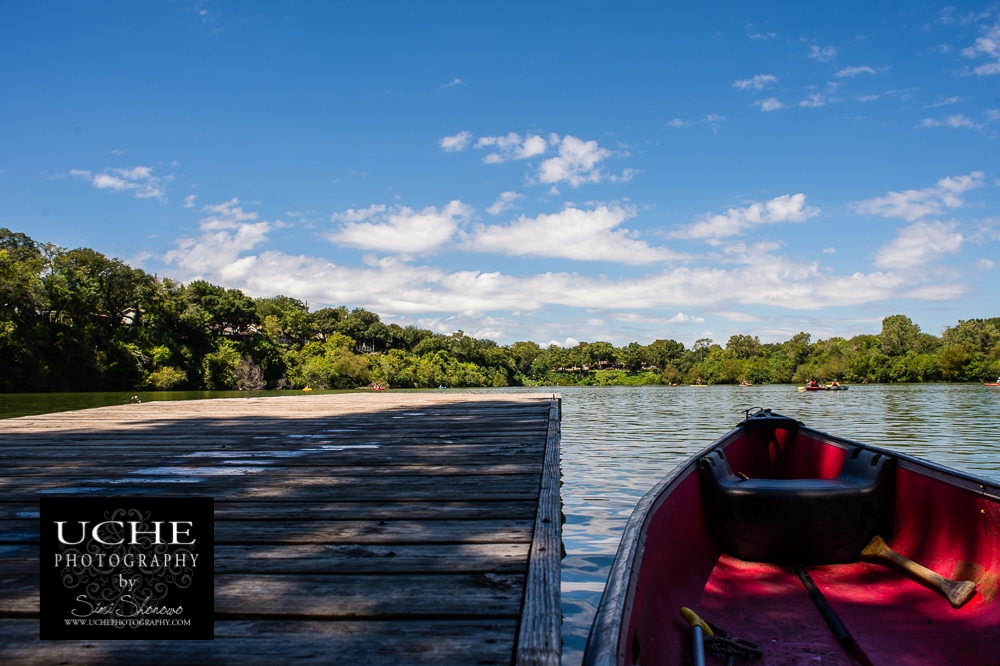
(818, 521)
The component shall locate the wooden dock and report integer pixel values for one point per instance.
(397, 528)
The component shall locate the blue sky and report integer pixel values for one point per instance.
(545, 171)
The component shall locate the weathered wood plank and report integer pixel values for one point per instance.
(466, 595)
(324, 469)
(266, 643)
(539, 641)
(368, 558)
(335, 531)
(361, 510)
(338, 558)
(275, 486)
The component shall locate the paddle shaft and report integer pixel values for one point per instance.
(957, 593)
(697, 646)
(836, 626)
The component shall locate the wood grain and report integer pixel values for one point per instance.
(353, 528)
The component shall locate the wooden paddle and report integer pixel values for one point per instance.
(957, 592)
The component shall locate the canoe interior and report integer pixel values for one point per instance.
(947, 525)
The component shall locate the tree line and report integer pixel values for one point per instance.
(76, 320)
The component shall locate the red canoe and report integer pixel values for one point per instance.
(727, 533)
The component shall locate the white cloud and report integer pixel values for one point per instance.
(756, 83)
(813, 100)
(456, 142)
(399, 229)
(189, 201)
(822, 54)
(227, 232)
(989, 46)
(984, 265)
(914, 204)
(138, 180)
(504, 202)
(945, 102)
(786, 208)
(570, 342)
(572, 233)
(961, 121)
(511, 147)
(958, 121)
(227, 215)
(762, 35)
(770, 104)
(829, 250)
(677, 122)
(398, 288)
(715, 121)
(627, 175)
(919, 244)
(868, 98)
(987, 229)
(454, 82)
(577, 162)
(851, 72)
(231, 254)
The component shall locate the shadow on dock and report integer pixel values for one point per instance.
(344, 532)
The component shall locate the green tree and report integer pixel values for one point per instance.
(899, 335)
(743, 346)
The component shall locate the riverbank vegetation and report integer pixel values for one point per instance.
(76, 320)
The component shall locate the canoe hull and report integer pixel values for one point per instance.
(668, 558)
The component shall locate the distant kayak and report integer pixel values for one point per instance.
(991, 384)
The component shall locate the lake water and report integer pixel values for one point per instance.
(617, 442)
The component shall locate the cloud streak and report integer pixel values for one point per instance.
(712, 228)
(758, 82)
(919, 244)
(584, 235)
(511, 147)
(138, 180)
(912, 205)
(760, 277)
(456, 142)
(398, 230)
(987, 46)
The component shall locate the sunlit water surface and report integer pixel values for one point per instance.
(617, 442)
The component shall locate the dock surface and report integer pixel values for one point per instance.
(397, 528)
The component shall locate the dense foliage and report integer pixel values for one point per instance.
(75, 320)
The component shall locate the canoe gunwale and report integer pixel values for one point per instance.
(927, 468)
(606, 643)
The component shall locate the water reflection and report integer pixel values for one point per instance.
(619, 441)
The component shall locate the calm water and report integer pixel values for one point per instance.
(619, 441)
